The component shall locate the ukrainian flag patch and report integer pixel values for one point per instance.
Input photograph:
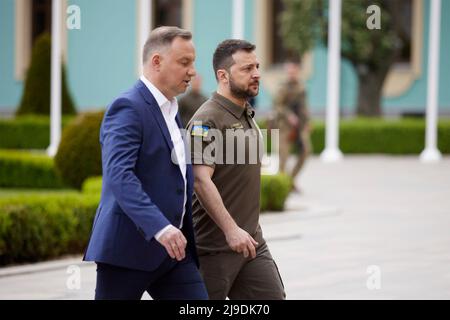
(199, 131)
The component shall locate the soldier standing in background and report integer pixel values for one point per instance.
(292, 118)
(191, 101)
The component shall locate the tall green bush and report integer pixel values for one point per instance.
(36, 94)
(79, 154)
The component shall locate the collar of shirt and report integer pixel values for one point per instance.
(168, 108)
(230, 106)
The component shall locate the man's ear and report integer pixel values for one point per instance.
(222, 75)
(156, 61)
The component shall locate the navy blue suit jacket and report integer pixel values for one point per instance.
(143, 190)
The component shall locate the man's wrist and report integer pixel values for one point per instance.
(230, 227)
(159, 234)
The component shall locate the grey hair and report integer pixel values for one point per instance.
(162, 37)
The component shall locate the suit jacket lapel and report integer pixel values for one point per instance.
(156, 111)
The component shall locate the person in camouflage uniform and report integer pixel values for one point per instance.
(293, 120)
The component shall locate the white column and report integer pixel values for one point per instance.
(55, 91)
(145, 26)
(332, 152)
(238, 19)
(431, 153)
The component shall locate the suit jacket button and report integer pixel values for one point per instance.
(180, 191)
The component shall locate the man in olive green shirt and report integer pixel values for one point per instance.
(235, 261)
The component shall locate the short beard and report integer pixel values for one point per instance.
(240, 93)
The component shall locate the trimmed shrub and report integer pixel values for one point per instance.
(79, 153)
(318, 137)
(444, 136)
(274, 191)
(27, 170)
(394, 137)
(92, 185)
(365, 136)
(36, 93)
(405, 136)
(27, 132)
(39, 227)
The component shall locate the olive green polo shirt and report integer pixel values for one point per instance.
(237, 168)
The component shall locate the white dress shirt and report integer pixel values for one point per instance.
(169, 110)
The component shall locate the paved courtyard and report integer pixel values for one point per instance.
(373, 227)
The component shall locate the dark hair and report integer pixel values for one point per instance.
(223, 56)
(162, 37)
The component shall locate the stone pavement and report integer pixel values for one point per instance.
(373, 227)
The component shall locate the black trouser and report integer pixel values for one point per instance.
(171, 281)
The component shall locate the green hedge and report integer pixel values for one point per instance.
(274, 190)
(403, 136)
(92, 185)
(365, 136)
(27, 170)
(39, 227)
(27, 132)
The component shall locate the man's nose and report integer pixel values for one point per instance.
(192, 72)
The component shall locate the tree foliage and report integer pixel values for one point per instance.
(371, 52)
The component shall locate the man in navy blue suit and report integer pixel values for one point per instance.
(142, 238)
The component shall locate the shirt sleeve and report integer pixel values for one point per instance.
(205, 144)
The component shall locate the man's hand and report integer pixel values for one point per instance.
(174, 242)
(240, 241)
